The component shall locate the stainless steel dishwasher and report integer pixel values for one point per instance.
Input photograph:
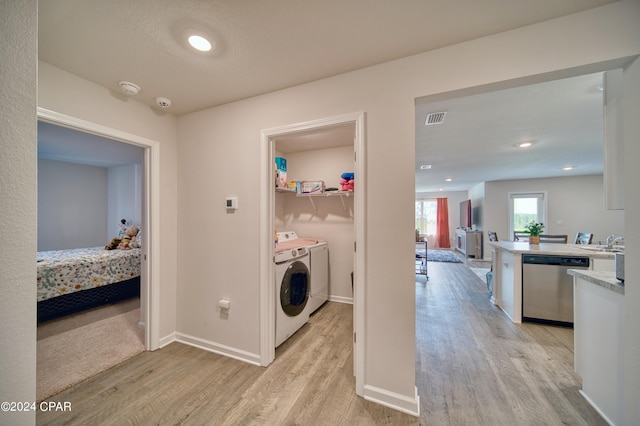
(547, 289)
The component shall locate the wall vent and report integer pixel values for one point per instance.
(435, 118)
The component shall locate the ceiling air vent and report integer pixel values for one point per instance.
(435, 118)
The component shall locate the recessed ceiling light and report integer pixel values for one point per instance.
(567, 168)
(441, 189)
(425, 167)
(526, 144)
(448, 179)
(199, 43)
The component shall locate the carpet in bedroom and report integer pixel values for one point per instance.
(74, 348)
(439, 256)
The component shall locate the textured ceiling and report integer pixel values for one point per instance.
(267, 45)
(477, 141)
(262, 45)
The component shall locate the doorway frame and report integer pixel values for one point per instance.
(150, 266)
(267, 220)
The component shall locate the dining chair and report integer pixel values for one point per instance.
(583, 238)
(557, 239)
(520, 236)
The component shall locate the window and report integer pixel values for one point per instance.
(525, 208)
(427, 217)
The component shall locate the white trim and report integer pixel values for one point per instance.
(341, 299)
(393, 400)
(166, 340)
(267, 202)
(360, 278)
(267, 270)
(595, 407)
(217, 348)
(150, 282)
(542, 207)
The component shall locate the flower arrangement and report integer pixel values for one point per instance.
(534, 228)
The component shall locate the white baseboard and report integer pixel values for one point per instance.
(164, 341)
(228, 351)
(595, 407)
(340, 299)
(393, 400)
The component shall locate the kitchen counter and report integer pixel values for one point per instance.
(551, 249)
(604, 279)
(507, 269)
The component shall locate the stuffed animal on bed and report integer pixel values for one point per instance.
(113, 244)
(129, 239)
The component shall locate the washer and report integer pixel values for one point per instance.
(319, 261)
(293, 285)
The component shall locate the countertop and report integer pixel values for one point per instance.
(550, 249)
(604, 279)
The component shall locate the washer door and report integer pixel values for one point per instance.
(294, 289)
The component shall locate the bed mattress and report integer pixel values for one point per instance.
(63, 272)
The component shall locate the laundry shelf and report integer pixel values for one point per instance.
(341, 194)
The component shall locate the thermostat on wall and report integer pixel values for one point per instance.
(232, 203)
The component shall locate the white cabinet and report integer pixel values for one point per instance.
(469, 243)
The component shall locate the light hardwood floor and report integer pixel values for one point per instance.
(473, 367)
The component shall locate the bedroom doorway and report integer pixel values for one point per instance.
(149, 212)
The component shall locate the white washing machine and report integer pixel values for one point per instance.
(293, 287)
(319, 261)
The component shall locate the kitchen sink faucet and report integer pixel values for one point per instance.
(612, 239)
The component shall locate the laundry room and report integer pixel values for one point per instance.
(321, 156)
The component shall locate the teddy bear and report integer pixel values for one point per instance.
(113, 244)
(129, 239)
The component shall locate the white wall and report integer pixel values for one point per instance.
(72, 205)
(125, 197)
(18, 211)
(68, 94)
(577, 202)
(331, 222)
(386, 93)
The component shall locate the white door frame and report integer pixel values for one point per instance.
(267, 205)
(150, 271)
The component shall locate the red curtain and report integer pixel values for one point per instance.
(442, 236)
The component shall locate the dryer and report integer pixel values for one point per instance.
(319, 261)
(293, 287)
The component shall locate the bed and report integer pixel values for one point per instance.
(73, 280)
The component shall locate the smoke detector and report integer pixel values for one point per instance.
(129, 88)
(163, 103)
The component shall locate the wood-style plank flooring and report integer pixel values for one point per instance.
(473, 367)
(310, 383)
